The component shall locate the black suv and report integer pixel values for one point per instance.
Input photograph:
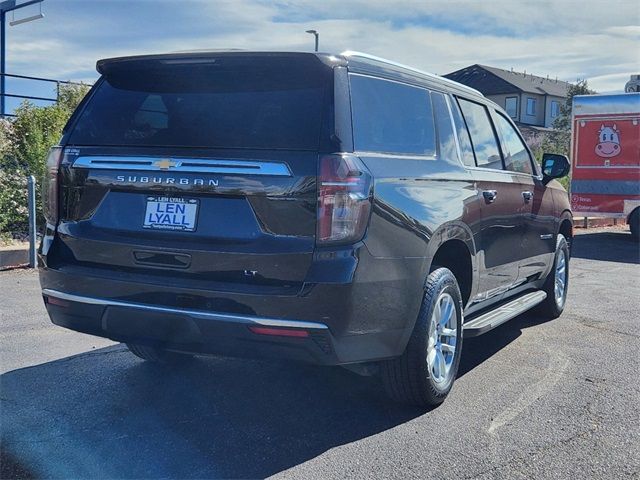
(337, 209)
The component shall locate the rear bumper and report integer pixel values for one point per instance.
(366, 318)
(192, 330)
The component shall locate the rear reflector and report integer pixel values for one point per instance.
(57, 302)
(280, 332)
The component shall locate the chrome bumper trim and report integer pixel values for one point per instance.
(200, 314)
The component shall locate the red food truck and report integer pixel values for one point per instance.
(605, 152)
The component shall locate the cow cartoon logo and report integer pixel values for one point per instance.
(608, 141)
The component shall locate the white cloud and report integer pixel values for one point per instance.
(566, 39)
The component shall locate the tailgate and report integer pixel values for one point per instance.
(204, 169)
(256, 227)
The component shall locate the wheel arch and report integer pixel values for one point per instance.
(448, 238)
(452, 246)
(565, 227)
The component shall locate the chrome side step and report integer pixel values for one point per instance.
(490, 320)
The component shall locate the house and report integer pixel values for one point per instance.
(528, 99)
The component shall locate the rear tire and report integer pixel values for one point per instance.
(158, 355)
(557, 284)
(634, 224)
(425, 372)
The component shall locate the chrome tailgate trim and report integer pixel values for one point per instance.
(184, 165)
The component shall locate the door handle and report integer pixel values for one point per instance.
(490, 195)
(527, 196)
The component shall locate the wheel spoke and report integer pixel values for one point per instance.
(441, 364)
(448, 348)
(437, 313)
(431, 355)
(446, 315)
(435, 367)
(449, 332)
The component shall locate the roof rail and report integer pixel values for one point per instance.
(351, 53)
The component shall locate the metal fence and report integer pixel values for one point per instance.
(5, 95)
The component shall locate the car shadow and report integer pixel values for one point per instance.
(107, 414)
(616, 246)
(477, 350)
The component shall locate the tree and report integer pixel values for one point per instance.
(558, 140)
(563, 121)
(24, 143)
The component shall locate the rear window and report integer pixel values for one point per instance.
(249, 104)
(391, 117)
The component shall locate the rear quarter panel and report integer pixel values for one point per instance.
(418, 205)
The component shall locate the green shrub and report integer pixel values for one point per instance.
(556, 141)
(24, 143)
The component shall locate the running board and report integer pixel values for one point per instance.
(492, 319)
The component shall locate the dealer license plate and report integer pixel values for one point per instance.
(170, 213)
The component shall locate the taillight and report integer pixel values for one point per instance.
(344, 200)
(50, 186)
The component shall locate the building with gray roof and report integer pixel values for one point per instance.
(528, 99)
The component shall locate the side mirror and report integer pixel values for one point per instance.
(555, 166)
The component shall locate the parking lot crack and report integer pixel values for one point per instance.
(554, 371)
(587, 322)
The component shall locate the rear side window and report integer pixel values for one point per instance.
(483, 138)
(243, 105)
(516, 155)
(446, 139)
(463, 136)
(391, 117)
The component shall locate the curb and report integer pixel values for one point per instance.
(14, 258)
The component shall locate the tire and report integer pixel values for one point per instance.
(634, 224)
(158, 355)
(425, 372)
(553, 305)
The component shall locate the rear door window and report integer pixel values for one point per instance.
(255, 106)
(516, 155)
(483, 137)
(391, 117)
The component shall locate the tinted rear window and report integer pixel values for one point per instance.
(239, 105)
(391, 117)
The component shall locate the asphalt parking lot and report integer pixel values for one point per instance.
(535, 399)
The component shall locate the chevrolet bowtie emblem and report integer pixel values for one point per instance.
(165, 164)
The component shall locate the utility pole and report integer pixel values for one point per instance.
(315, 34)
(5, 7)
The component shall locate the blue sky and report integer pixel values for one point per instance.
(596, 40)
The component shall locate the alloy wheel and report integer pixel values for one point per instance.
(443, 330)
